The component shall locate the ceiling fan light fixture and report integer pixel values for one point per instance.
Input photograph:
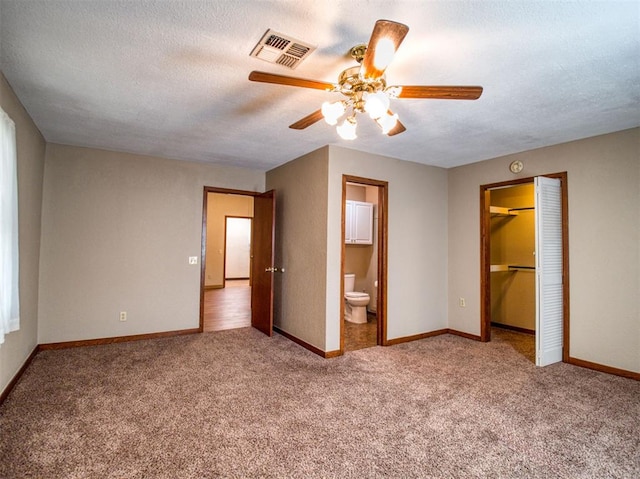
(376, 104)
(385, 51)
(365, 86)
(333, 111)
(387, 122)
(347, 130)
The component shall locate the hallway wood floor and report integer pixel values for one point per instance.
(228, 307)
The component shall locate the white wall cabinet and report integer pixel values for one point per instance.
(358, 228)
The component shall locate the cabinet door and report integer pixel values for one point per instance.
(348, 222)
(362, 229)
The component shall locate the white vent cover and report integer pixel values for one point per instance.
(281, 49)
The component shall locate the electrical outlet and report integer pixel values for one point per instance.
(462, 303)
(123, 315)
(193, 260)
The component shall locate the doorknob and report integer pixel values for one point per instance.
(273, 270)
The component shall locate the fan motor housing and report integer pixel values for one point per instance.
(351, 81)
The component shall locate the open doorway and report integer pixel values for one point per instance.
(237, 248)
(227, 288)
(237, 260)
(524, 258)
(512, 258)
(364, 260)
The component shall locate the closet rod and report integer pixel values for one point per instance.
(523, 208)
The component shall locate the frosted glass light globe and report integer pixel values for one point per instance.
(332, 111)
(387, 122)
(376, 104)
(347, 130)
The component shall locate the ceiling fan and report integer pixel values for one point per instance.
(365, 86)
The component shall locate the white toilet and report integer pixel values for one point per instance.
(355, 304)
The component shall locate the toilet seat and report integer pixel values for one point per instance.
(355, 303)
(355, 295)
(357, 300)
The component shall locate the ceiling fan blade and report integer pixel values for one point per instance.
(399, 128)
(385, 40)
(441, 92)
(290, 81)
(307, 120)
(396, 130)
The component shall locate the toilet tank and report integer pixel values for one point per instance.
(349, 282)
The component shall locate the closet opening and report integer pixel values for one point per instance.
(524, 266)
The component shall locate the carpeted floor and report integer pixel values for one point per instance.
(238, 404)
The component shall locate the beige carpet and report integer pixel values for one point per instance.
(238, 404)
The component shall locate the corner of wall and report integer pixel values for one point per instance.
(301, 195)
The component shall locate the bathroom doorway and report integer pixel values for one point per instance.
(364, 261)
(524, 264)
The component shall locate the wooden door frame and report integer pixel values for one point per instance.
(382, 238)
(224, 250)
(485, 256)
(203, 239)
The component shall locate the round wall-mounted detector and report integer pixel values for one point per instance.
(516, 166)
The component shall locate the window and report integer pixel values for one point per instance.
(9, 264)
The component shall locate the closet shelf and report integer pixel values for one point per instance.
(510, 267)
(501, 211)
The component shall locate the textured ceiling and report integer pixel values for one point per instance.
(169, 78)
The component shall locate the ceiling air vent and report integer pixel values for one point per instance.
(282, 50)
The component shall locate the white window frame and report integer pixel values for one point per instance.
(9, 255)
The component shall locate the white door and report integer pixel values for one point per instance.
(549, 300)
(238, 248)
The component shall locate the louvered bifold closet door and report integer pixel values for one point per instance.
(549, 301)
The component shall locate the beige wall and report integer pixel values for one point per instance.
(356, 192)
(513, 243)
(220, 205)
(417, 270)
(308, 233)
(18, 345)
(357, 260)
(117, 231)
(301, 240)
(604, 241)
